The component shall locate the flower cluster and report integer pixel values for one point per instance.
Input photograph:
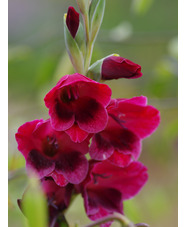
(81, 110)
(84, 119)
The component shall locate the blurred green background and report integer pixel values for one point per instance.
(144, 31)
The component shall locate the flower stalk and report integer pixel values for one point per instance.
(90, 144)
(86, 25)
(88, 56)
(89, 44)
(125, 222)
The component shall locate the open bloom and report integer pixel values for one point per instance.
(130, 120)
(115, 67)
(72, 21)
(107, 186)
(51, 153)
(58, 198)
(77, 105)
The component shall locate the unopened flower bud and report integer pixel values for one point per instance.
(72, 21)
(114, 67)
(72, 47)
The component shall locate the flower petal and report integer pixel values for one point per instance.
(121, 160)
(76, 134)
(102, 202)
(62, 116)
(58, 197)
(24, 137)
(73, 166)
(114, 138)
(91, 116)
(142, 120)
(128, 180)
(100, 148)
(98, 91)
(37, 163)
(58, 178)
(108, 198)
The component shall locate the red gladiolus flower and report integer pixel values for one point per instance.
(58, 197)
(115, 67)
(130, 120)
(107, 186)
(51, 153)
(77, 105)
(72, 21)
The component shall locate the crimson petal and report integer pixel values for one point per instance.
(39, 164)
(76, 134)
(59, 179)
(114, 138)
(128, 180)
(119, 159)
(24, 137)
(100, 148)
(73, 166)
(91, 116)
(108, 198)
(62, 116)
(142, 120)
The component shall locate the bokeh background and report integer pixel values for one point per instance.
(144, 31)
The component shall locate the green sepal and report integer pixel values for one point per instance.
(73, 50)
(96, 19)
(80, 39)
(95, 70)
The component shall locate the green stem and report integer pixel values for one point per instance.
(88, 56)
(116, 216)
(86, 24)
(89, 44)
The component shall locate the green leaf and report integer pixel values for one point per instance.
(35, 205)
(92, 9)
(97, 19)
(73, 50)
